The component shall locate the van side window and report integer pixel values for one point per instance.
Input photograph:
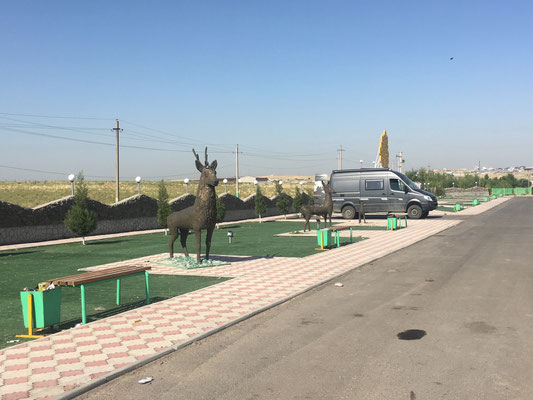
(374, 184)
(396, 184)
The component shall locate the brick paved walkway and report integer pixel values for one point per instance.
(87, 355)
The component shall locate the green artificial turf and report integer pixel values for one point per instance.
(27, 267)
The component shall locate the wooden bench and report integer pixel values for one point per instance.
(393, 217)
(90, 278)
(337, 228)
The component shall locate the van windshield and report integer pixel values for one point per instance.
(409, 182)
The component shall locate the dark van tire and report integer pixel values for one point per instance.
(414, 212)
(348, 212)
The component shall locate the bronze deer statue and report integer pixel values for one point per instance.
(201, 215)
(325, 210)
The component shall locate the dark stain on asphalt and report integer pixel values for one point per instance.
(358, 315)
(411, 334)
(480, 327)
(412, 395)
(430, 280)
(413, 308)
(305, 321)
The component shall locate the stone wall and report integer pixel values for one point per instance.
(45, 222)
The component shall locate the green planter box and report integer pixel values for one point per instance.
(328, 241)
(46, 307)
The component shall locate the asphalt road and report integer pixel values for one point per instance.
(467, 290)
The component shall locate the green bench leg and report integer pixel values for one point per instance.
(337, 239)
(351, 236)
(83, 314)
(118, 292)
(147, 288)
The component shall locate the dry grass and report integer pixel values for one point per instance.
(35, 193)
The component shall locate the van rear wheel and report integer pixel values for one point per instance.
(348, 212)
(414, 212)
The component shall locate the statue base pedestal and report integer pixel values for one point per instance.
(189, 263)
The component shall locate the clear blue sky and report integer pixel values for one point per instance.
(289, 81)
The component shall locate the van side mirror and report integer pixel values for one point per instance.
(406, 189)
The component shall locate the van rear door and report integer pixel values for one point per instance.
(346, 187)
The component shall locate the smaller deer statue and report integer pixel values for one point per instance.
(325, 210)
(362, 214)
(201, 215)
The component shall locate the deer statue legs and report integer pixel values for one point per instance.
(183, 233)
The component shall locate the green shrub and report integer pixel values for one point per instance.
(80, 220)
(282, 201)
(221, 210)
(297, 201)
(259, 202)
(163, 208)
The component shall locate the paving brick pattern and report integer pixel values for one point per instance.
(51, 366)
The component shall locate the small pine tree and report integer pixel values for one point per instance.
(260, 205)
(283, 200)
(297, 202)
(221, 211)
(80, 220)
(163, 208)
(311, 198)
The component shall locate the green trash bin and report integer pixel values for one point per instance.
(475, 202)
(326, 233)
(46, 307)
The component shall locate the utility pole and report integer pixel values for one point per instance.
(399, 161)
(237, 171)
(339, 158)
(117, 130)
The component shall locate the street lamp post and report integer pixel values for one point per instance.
(225, 185)
(361, 163)
(138, 180)
(72, 178)
(186, 180)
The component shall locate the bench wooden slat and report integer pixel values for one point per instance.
(340, 227)
(94, 276)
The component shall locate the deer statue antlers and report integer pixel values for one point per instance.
(199, 165)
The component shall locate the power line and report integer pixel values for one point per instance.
(286, 153)
(90, 141)
(33, 170)
(174, 135)
(57, 117)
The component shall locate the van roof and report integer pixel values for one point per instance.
(340, 171)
